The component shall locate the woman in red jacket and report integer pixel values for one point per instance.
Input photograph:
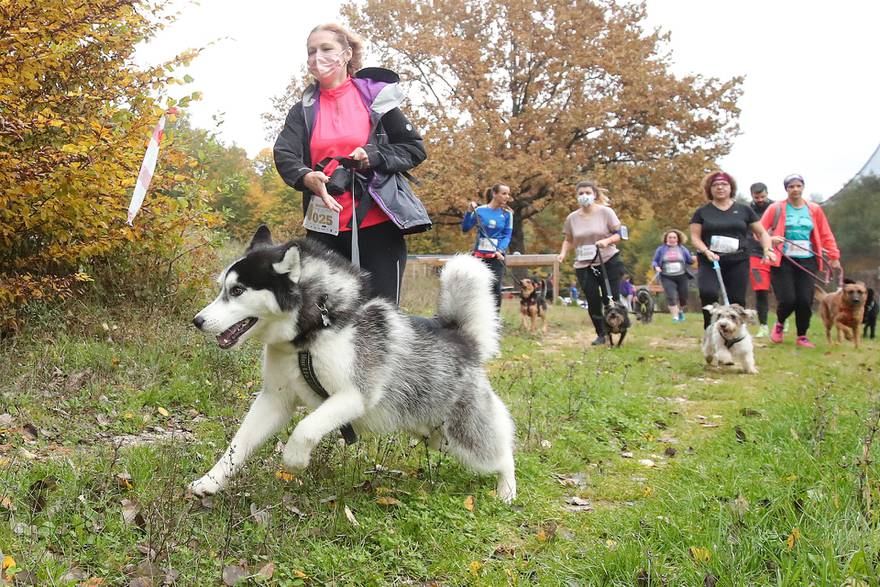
(800, 232)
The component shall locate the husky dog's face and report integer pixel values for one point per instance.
(257, 292)
(729, 319)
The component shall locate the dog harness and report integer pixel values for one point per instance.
(304, 358)
(732, 341)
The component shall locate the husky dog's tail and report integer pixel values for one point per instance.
(466, 300)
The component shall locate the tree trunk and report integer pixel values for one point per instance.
(518, 238)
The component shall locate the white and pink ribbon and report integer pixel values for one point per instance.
(147, 167)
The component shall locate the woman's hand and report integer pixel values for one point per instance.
(315, 182)
(602, 243)
(560, 258)
(835, 263)
(777, 240)
(361, 157)
(711, 255)
(769, 256)
(472, 206)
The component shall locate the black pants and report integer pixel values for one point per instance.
(734, 272)
(762, 305)
(676, 289)
(496, 265)
(383, 253)
(593, 286)
(793, 288)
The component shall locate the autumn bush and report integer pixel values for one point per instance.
(76, 115)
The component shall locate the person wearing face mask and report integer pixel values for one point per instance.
(804, 241)
(354, 113)
(590, 229)
(718, 231)
(494, 223)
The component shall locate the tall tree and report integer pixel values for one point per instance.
(854, 216)
(541, 93)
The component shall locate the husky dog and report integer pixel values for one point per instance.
(727, 340)
(383, 371)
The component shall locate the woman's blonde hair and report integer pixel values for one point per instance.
(348, 40)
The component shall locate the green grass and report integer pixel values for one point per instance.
(784, 501)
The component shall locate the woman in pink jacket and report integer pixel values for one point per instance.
(803, 239)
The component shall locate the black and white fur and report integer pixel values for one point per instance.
(727, 340)
(384, 371)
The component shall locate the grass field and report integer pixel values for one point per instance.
(636, 466)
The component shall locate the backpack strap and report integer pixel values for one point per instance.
(776, 214)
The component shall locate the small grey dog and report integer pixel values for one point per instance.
(382, 370)
(727, 340)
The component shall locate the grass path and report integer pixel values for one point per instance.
(636, 466)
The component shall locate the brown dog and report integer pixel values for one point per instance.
(844, 309)
(533, 303)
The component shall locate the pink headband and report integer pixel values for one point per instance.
(720, 176)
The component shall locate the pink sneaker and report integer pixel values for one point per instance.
(805, 342)
(776, 333)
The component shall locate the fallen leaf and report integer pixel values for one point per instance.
(141, 582)
(72, 575)
(749, 413)
(739, 506)
(162, 411)
(233, 574)
(578, 504)
(700, 554)
(626, 454)
(351, 518)
(647, 463)
(389, 501)
(469, 503)
(131, 513)
(124, 481)
(793, 538)
(647, 491)
(267, 570)
(299, 574)
(284, 475)
(710, 580)
(670, 451)
(475, 567)
(92, 582)
(260, 516)
(740, 435)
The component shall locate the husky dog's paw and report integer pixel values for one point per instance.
(296, 456)
(207, 485)
(506, 491)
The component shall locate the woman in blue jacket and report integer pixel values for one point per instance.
(494, 222)
(670, 262)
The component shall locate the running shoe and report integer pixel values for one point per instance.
(763, 331)
(776, 335)
(804, 342)
(600, 340)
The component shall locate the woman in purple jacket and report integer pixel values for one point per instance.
(670, 262)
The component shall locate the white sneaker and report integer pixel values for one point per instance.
(763, 331)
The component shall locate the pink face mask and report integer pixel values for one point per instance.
(325, 64)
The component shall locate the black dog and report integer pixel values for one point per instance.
(643, 305)
(616, 319)
(871, 311)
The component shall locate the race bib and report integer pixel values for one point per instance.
(724, 244)
(487, 245)
(673, 268)
(798, 248)
(320, 218)
(585, 253)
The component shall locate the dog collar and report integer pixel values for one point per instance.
(729, 342)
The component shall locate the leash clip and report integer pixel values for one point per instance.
(322, 307)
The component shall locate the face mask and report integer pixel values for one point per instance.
(586, 199)
(326, 64)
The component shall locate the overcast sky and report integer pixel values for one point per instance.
(810, 102)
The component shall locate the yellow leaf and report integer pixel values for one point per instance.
(8, 561)
(469, 503)
(793, 538)
(56, 123)
(475, 567)
(387, 501)
(299, 574)
(384, 490)
(542, 535)
(611, 544)
(700, 554)
(284, 475)
(163, 411)
(648, 491)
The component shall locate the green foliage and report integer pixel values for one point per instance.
(77, 114)
(854, 215)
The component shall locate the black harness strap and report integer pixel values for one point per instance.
(308, 373)
(732, 341)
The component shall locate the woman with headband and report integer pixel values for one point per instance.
(800, 231)
(718, 231)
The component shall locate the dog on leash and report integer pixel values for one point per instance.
(843, 309)
(727, 340)
(616, 318)
(871, 311)
(643, 305)
(533, 303)
(382, 371)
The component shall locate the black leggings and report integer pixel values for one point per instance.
(734, 272)
(496, 265)
(383, 253)
(593, 286)
(793, 288)
(762, 305)
(676, 289)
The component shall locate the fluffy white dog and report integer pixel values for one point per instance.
(727, 340)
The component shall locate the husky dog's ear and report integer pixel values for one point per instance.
(289, 265)
(262, 239)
